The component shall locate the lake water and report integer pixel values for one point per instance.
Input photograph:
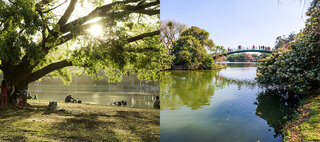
(223, 105)
(136, 94)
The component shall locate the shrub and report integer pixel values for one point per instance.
(299, 68)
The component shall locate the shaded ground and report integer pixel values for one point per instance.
(79, 122)
(307, 126)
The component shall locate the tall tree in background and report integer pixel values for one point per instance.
(36, 41)
(170, 32)
(201, 35)
(282, 41)
(190, 49)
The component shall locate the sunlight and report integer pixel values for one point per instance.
(96, 30)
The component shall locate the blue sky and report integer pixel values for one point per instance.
(239, 22)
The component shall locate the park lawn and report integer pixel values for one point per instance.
(79, 122)
(307, 125)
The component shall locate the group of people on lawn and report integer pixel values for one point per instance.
(9, 94)
(156, 103)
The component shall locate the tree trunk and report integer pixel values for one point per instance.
(19, 83)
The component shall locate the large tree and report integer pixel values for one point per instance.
(37, 40)
(170, 32)
(190, 49)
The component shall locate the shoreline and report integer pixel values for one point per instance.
(306, 127)
(43, 100)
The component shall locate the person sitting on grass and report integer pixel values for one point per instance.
(4, 97)
(156, 103)
(29, 96)
(35, 97)
(69, 99)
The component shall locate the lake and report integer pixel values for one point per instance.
(220, 105)
(137, 93)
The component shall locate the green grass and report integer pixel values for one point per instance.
(80, 122)
(310, 129)
(307, 126)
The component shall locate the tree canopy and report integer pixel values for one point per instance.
(36, 40)
(190, 50)
(201, 35)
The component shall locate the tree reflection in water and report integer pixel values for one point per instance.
(276, 106)
(193, 88)
(186, 88)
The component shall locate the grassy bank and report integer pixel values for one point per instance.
(307, 126)
(79, 122)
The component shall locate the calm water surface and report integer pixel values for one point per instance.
(130, 90)
(224, 106)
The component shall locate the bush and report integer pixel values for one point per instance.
(208, 62)
(299, 68)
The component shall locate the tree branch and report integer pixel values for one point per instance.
(140, 50)
(98, 12)
(11, 2)
(148, 12)
(143, 6)
(64, 19)
(94, 14)
(55, 7)
(78, 31)
(141, 36)
(47, 69)
(103, 12)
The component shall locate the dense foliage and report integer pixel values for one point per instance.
(190, 50)
(299, 68)
(40, 37)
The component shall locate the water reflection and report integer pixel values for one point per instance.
(194, 89)
(190, 88)
(224, 105)
(276, 106)
(240, 64)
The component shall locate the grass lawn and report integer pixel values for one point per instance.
(307, 126)
(79, 122)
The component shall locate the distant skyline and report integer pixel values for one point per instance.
(239, 22)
